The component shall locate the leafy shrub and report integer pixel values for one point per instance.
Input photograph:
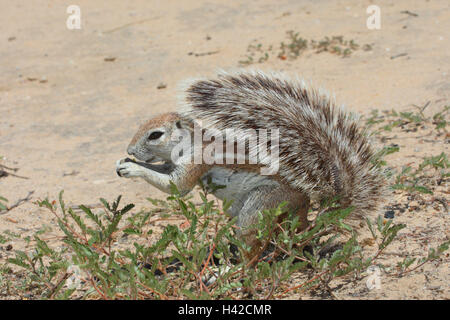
(195, 260)
(3, 203)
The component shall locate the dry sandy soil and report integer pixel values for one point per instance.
(70, 100)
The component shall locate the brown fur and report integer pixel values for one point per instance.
(155, 122)
(323, 152)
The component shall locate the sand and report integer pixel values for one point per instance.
(71, 100)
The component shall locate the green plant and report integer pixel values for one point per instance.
(415, 180)
(294, 47)
(408, 120)
(433, 254)
(439, 119)
(256, 53)
(374, 119)
(92, 243)
(179, 262)
(3, 203)
(386, 150)
(336, 45)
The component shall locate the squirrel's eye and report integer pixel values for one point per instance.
(155, 135)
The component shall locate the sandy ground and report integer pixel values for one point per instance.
(67, 113)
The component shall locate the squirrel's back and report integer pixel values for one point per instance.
(322, 150)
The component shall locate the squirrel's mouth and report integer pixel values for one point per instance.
(152, 163)
(142, 160)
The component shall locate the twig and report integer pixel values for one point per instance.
(89, 206)
(73, 173)
(422, 109)
(399, 55)
(275, 284)
(3, 173)
(203, 53)
(129, 25)
(161, 295)
(304, 283)
(104, 297)
(19, 202)
(402, 273)
(8, 168)
(17, 176)
(211, 250)
(63, 278)
(412, 14)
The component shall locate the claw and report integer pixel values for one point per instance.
(118, 163)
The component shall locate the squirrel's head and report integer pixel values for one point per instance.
(152, 142)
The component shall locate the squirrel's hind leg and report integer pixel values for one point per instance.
(268, 197)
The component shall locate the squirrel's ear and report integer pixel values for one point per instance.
(184, 124)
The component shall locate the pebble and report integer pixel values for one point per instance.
(389, 214)
(413, 205)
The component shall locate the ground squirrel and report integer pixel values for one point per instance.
(321, 151)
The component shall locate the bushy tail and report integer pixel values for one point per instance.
(322, 150)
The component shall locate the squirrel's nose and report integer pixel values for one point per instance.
(130, 150)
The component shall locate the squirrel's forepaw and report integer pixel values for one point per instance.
(128, 169)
